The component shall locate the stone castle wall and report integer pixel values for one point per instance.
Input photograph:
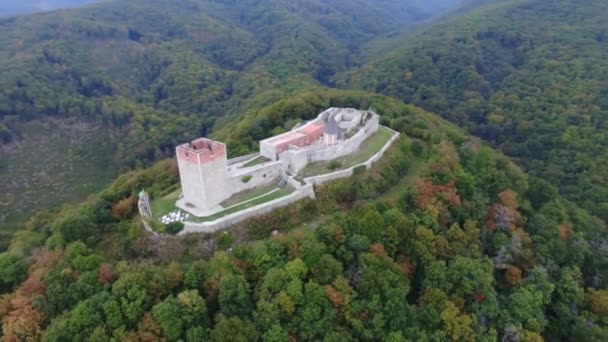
(347, 146)
(298, 159)
(293, 182)
(145, 217)
(260, 175)
(232, 219)
(242, 158)
(322, 179)
(302, 191)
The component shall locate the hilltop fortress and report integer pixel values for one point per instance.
(212, 185)
(208, 178)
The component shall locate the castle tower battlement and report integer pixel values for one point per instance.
(203, 169)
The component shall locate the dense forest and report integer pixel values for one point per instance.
(172, 62)
(444, 239)
(530, 76)
(148, 74)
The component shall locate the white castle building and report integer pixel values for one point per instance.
(208, 178)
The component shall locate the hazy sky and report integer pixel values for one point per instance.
(12, 7)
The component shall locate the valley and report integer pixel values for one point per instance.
(52, 163)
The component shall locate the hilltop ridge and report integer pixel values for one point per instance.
(444, 239)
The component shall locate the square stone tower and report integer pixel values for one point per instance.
(203, 171)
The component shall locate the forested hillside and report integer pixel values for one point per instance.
(530, 76)
(444, 239)
(139, 76)
(187, 58)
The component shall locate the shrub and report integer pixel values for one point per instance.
(418, 149)
(358, 170)
(12, 271)
(225, 240)
(124, 208)
(157, 226)
(174, 227)
(77, 224)
(246, 179)
(334, 164)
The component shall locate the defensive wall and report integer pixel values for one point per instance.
(265, 208)
(298, 158)
(328, 177)
(300, 136)
(301, 191)
(254, 176)
(242, 159)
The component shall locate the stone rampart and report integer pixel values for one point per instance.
(260, 175)
(347, 146)
(321, 179)
(232, 219)
(242, 158)
(297, 159)
(302, 191)
(145, 217)
(293, 183)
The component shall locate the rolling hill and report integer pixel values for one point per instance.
(443, 239)
(140, 76)
(530, 76)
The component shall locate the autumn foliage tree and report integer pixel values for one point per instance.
(22, 323)
(503, 215)
(124, 208)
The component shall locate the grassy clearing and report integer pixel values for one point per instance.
(166, 204)
(249, 194)
(417, 166)
(368, 148)
(272, 196)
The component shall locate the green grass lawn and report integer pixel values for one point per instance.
(368, 148)
(267, 198)
(416, 167)
(257, 161)
(166, 204)
(249, 194)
